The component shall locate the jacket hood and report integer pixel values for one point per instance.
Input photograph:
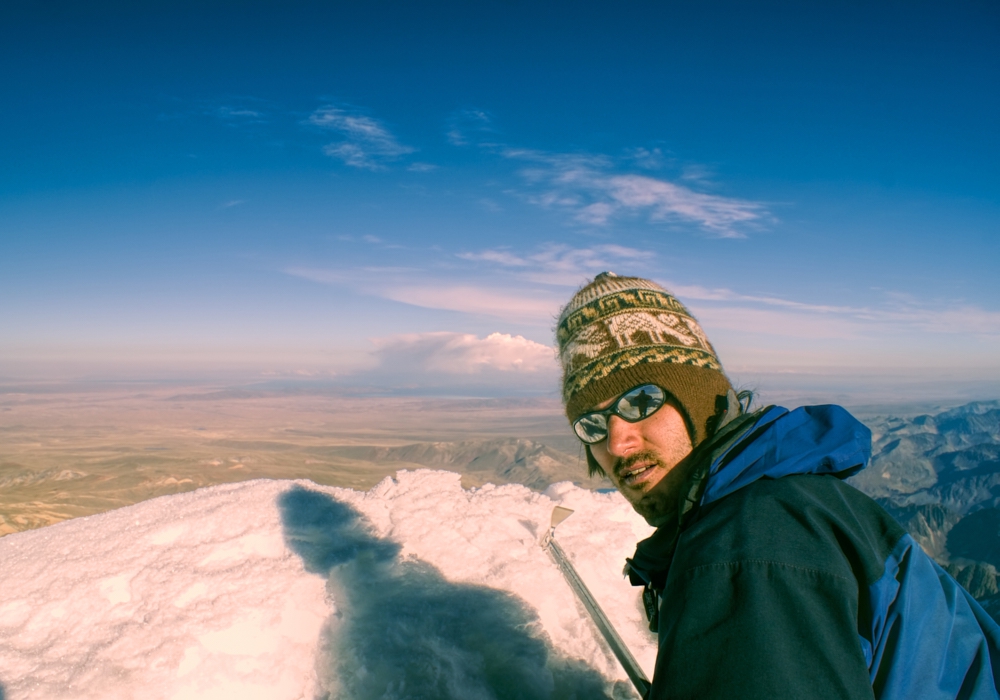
(809, 440)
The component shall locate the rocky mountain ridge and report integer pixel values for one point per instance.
(499, 460)
(939, 476)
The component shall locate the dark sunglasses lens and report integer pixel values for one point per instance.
(640, 402)
(591, 428)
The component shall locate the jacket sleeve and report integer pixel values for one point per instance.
(766, 596)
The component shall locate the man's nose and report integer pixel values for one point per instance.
(623, 437)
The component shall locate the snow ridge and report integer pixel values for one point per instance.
(286, 589)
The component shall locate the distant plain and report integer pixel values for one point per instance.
(71, 451)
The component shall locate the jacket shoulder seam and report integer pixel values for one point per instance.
(769, 562)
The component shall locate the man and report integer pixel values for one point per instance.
(767, 576)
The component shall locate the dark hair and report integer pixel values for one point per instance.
(593, 468)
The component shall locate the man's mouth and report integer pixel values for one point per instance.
(638, 472)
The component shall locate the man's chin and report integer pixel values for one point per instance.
(658, 503)
(656, 509)
(653, 501)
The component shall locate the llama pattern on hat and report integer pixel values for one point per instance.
(589, 342)
(661, 329)
(637, 328)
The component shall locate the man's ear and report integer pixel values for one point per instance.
(593, 468)
(727, 408)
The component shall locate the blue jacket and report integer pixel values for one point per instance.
(780, 580)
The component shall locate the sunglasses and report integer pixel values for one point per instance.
(632, 406)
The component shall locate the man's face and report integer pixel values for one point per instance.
(637, 456)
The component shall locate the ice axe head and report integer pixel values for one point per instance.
(559, 514)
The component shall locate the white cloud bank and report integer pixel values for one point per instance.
(464, 354)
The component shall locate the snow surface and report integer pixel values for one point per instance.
(286, 589)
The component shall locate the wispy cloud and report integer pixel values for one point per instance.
(464, 354)
(589, 187)
(468, 125)
(499, 302)
(560, 265)
(239, 113)
(721, 294)
(893, 316)
(646, 158)
(428, 290)
(900, 310)
(597, 189)
(366, 143)
(525, 288)
(500, 257)
(365, 238)
(347, 276)
(752, 321)
(529, 288)
(753, 338)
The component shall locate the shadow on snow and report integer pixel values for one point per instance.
(402, 631)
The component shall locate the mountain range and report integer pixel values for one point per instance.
(939, 476)
(499, 461)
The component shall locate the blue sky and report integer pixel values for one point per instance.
(403, 194)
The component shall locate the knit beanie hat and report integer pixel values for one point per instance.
(619, 332)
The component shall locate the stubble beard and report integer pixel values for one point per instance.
(656, 501)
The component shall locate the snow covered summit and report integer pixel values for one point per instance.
(285, 589)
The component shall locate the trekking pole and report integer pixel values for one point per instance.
(614, 641)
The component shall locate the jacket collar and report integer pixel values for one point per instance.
(769, 443)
